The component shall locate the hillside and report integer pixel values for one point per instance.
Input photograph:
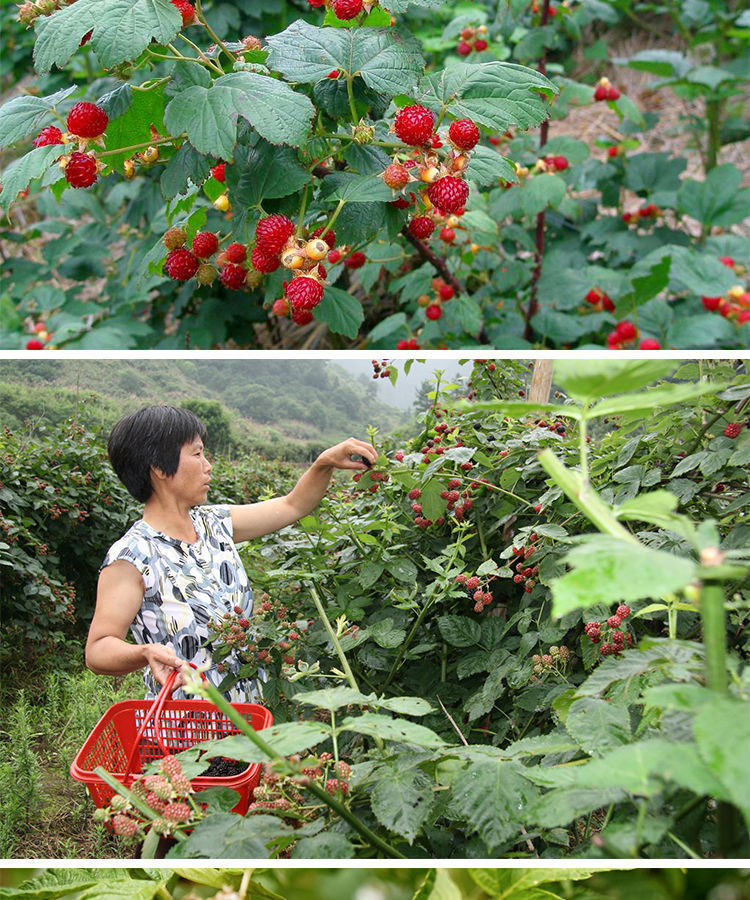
(284, 407)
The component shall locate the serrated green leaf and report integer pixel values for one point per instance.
(21, 172)
(541, 192)
(402, 799)
(720, 200)
(400, 730)
(606, 569)
(332, 698)
(340, 311)
(597, 725)
(460, 631)
(208, 116)
(22, 116)
(486, 166)
(122, 29)
(589, 379)
(663, 395)
(503, 883)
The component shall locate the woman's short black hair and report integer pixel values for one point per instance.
(151, 436)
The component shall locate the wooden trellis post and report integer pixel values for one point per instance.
(541, 381)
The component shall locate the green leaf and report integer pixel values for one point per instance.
(386, 634)
(667, 63)
(332, 698)
(264, 172)
(722, 731)
(645, 287)
(720, 200)
(145, 112)
(658, 508)
(388, 60)
(340, 311)
(700, 273)
(286, 738)
(355, 188)
(122, 29)
(541, 192)
(497, 95)
(25, 115)
(208, 116)
(648, 173)
(606, 569)
(402, 569)
(562, 805)
(327, 845)
(405, 706)
(277, 112)
(663, 395)
(506, 882)
(492, 796)
(400, 730)
(402, 799)
(588, 379)
(21, 172)
(460, 631)
(597, 725)
(486, 166)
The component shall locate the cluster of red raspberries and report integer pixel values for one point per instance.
(525, 574)
(615, 640)
(169, 795)
(285, 796)
(477, 590)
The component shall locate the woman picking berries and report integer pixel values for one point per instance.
(177, 567)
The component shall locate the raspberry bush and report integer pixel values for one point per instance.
(419, 137)
(518, 639)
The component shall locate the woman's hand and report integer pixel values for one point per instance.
(340, 456)
(163, 661)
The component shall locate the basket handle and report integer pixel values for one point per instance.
(154, 713)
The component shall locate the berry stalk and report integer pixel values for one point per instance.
(336, 643)
(714, 635)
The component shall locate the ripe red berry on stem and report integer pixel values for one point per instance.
(181, 264)
(434, 311)
(236, 253)
(421, 227)
(414, 125)
(448, 194)
(356, 260)
(219, 172)
(47, 136)
(87, 120)
(464, 134)
(272, 232)
(186, 11)
(81, 169)
(205, 244)
(346, 9)
(733, 430)
(262, 261)
(232, 276)
(304, 292)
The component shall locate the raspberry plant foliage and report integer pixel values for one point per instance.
(302, 121)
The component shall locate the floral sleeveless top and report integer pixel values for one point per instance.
(186, 586)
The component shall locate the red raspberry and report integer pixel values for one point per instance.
(356, 260)
(170, 766)
(434, 312)
(316, 3)
(414, 125)
(480, 45)
(448, 235)
(605, 649)
(623, 611)
(236, 253)
(34, 345)
(404, 344)
(304, 293)
(601, 92)
(463, 134)
(280, 308)
(181, 264)
(329, 237)
(233, 276)
(396, 176)
(87, 120)
(81, 170)
(472, 583)
(613, 93)
(49, 135)
(733, 430)
(346, 9)
(205, 244)
(272, 232)
(262, 261)
(243, 622)
(219, 172)
(174, 238)
(186, 11)
(613, 621)
(176, 812)
(124, 826)
(421, 227)
(302, 316)
(448, 193)
(334, 784)
(618, 637)
(158, 786)
(415, 494)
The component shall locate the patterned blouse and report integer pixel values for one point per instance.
(186, 586)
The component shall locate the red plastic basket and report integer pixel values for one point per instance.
(134, 733)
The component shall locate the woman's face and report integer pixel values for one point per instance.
(191, 480)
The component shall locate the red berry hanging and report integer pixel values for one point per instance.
(205, 244)
(356, 260)
(304, 292)
(262, 261)
(272, 232)
(87, 120)
(464, 134)
(421, 227)
(186, 11)
(414, 125)
(219, 172)
(181, 264)
(47, 136)
(81, 170)
(733, 430)
(346, 9)
(396, 176)
(236, 253)
(434, 311)
(448, 194)
(233, 276)
(302, 316)
(329, 237)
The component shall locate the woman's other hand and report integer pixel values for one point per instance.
(340, 456)
(163, 661)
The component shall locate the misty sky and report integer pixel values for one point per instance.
(407, 386)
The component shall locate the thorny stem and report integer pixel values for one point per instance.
(434, 260)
